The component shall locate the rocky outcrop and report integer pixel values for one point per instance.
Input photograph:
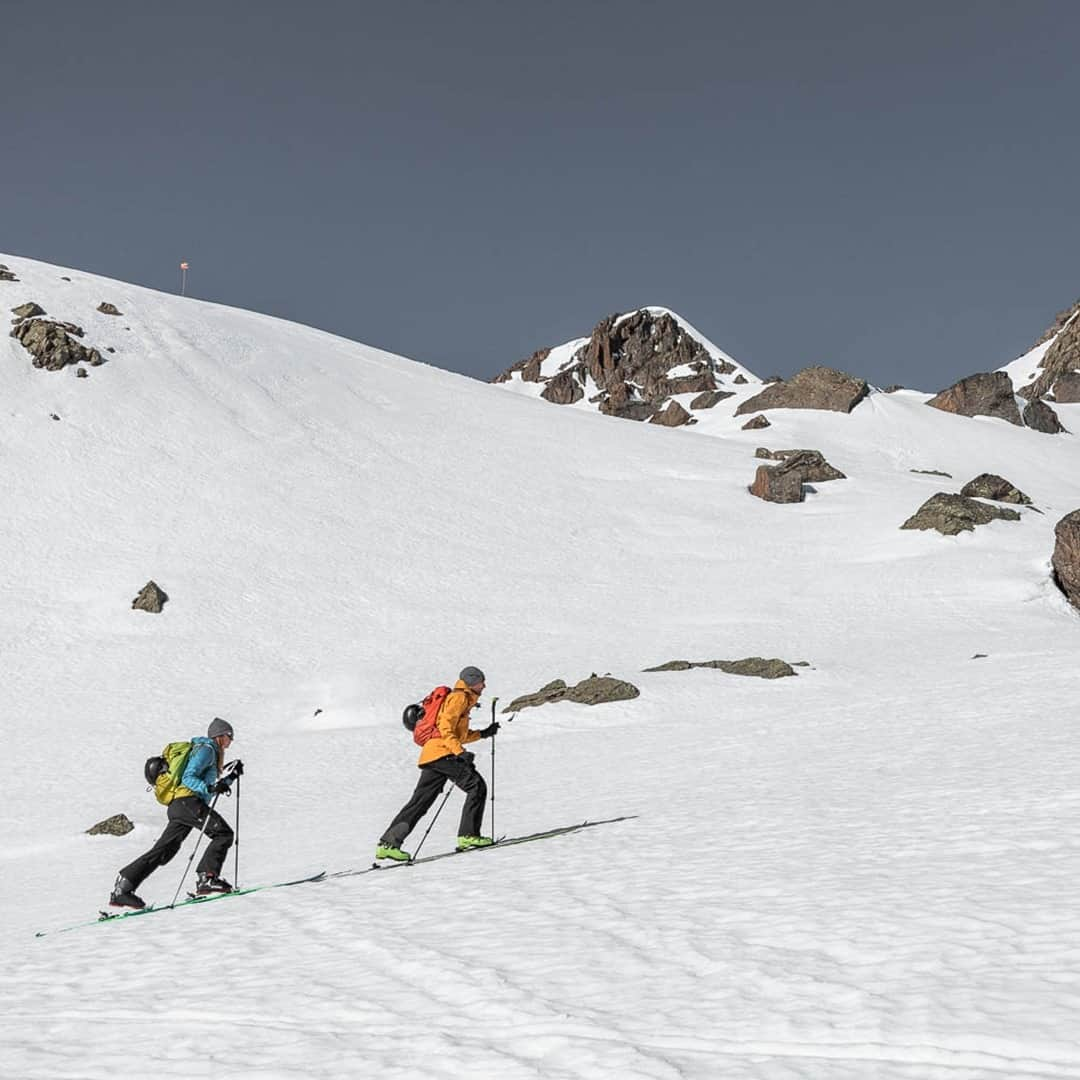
(708, 398)
(1067, 388)
(756, 424)
(1061, 358)
(1066, 558)
(811, 388)
(778, 484)
(988, 393)
(108, 309)
(637, 362)
(563, 389)
(595, 690)
(53, 344)
(1038, 416)
(631, 410)
(752, 665)
(992, 486)
(673, 416)
(117, 825)
(27, 311)
(529, 368)
(6, 274)
(151, 598)
(810, 463)
(952, 514)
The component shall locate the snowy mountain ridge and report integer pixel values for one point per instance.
(858, 870)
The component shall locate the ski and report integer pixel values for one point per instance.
(502, 842)
(113, 916)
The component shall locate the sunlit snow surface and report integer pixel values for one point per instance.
(868, 871)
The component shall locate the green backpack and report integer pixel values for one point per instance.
(164, 773)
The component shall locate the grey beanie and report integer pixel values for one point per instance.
(219, 727)
(470, 676)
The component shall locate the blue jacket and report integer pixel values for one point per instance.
(201, 771)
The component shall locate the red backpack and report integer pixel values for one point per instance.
(422, 719)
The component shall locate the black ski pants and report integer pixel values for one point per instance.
(433, 777)
(184, 815)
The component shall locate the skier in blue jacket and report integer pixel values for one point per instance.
(190, 807)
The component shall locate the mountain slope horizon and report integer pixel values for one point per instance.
(846, 866)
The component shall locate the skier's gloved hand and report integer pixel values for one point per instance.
(232, 770)
(467, 757)
(486, 733)
(221, 788)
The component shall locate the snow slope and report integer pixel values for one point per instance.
(864, 871)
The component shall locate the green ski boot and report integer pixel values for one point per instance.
(385, 851)
(467, 843)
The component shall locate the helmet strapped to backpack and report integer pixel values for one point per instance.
(411, 716)
(426, 725)
(153, 768)
(165, 772)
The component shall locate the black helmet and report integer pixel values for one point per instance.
(154, 767)
(411, 716)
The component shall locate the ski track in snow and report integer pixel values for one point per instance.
(863, 873)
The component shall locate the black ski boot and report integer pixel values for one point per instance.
(211, 883)
(123, 895)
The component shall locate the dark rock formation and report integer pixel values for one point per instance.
(563, 389)
(988, 393)
(756, 424)
(633, 410)
(108, 309)
(709, 398)
(151, 598)
(52, 344)
(752, 665)
(117, 825)
(701, 383)
(892, 388)
(27, 311)
(931, 472)
(952, 514)
(1061, 358)
(810, 463)
(1039, 416)
(632, 360)
(741, 379)
(1066, 557)
(6, 274)
(594, 690)
(82, 373)
(1067, 388)
(779, 484)
(673, 416)
(992, 486)
(811, 388)
(529, 368)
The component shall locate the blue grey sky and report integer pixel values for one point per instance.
(888, 188)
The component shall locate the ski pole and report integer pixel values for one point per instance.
(236, 842)
(493, 837)
(198, 841)
(433, 820)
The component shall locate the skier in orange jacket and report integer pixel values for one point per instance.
(444, 757)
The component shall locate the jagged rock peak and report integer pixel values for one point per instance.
(631, 366)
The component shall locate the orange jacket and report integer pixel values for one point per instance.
(453, 724)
